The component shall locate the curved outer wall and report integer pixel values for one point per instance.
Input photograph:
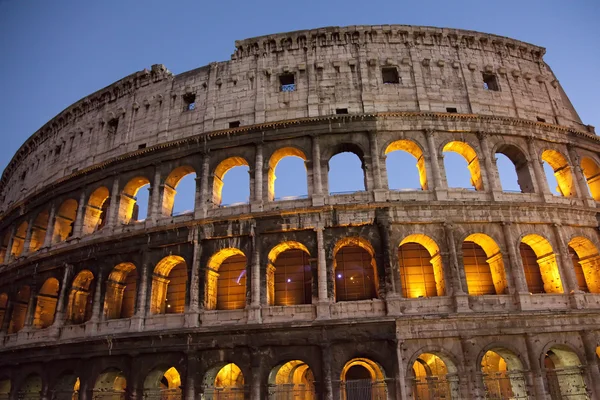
(64, 273)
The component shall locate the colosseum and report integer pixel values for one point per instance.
(432, 293)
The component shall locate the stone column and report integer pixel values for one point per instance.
(30, 312)
(11, 239)
(323, 306)
(516, 266)
(50, 229)
(205, 196)
(78, 225)
(257, 201)
(192, 317)
(113, 208)
(256, 378)
(155, 197)
(582, 185)
(59, 314)
(255, 314)
(489, 163)
(97, 306)
(327, 360)
(384, 227)
(538, 170)
(10, 305)
(435, 166)
(27, 241)
(590, 344)
(565, 266)
(318, 199)
(142, 294)
(536, 370)
(401, 387)
(375, 159)
(190, 381)
(456, 273)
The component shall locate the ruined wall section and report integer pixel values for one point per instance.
(334, 69)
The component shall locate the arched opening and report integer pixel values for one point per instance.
(169, 286)
(292, 162)
(561, 172)
(31, 388)
(289, 276)
(67, 387)
(539, 262)
(224, 382)
(163, 384)
(421, 270)
(79, 309)
(238, 191)
(292, 380)
(134, 203)
(503, 375)
(5, 386)
(401, 156)
(564, 374)
(110, 385)
(346, 170)
(591, 171)
(19, 240)
(20, 304)
(355, 270)
(46, 304)
(226, 280)
(96, 210)
(179, 191)
(64, 221)
(483, 264)
(511, 161)
(435, 378)
(586, 262)
(453, 166)
(38, 231)
(3, 306)
(121, 289)
(363, 379)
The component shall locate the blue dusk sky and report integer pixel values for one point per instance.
(56, 52)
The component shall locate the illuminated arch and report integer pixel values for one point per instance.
(562, 172)
(415, 271)
(79, 308)
(224, 381)
(358, 372)
(521, 165)
(219, 174)
(163, 383)
(414, 150)
(294, 377)
(5, 387)
(3, 306)
(435, 376)
(480, 270)
(170, 186)
(465, 150)
(18, 244)
(4, 250)
(353, 148)
(111, 384)
(64, 221)
(20, 304)
(564, 373)
(31, 388)
(289, 284)
(121, 289)
(97, 210)
(67, 387)
(169, 286)
(38, 231)
(46, 304)
(546, 261)
(503, 376)
(274, 160)
(355, 274)
(226, 286)
(591, 171)
(586, 261)
(128, 206)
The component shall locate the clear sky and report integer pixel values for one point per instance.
(55, 52)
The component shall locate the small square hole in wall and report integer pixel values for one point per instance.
(234, 124)
(287, 82)
(189, 100)
(113, 124)
(452, 110)
(142, 146)
(490, 82)
(540, 119)
(390, 75)
(341, 111)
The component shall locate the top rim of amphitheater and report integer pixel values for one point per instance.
(383, 28)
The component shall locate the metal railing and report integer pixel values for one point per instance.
(505, 387)
(566, 384)
(163, 394)
(63, 395)
(290, 392)
(288, 88)
(432, 389)
(363, 389)
(226, 393)
(299, 197)
(108, 395)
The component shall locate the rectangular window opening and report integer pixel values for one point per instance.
(287, 82)
(452, 110)
(540, 119)
(190, 101)
(113, 124)
(341, 111)
(142, 146)
(390, 75)
(490, 82)
(234, 124)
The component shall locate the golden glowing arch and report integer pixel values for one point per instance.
(272, 257)
(117, 290)
(494, 260)
(562, 172)
(155, 377)
(465, 150)
(212, 274)
(546, 260)
(375, 370)
(94, 211)
(418, 288)
(354, 241)
(128, 199)
(588, 258)
(170, 186)
(277, 156)
(18, 244)
(215, 261)
(222, 169)
(64, 220)
(591, 171)
(164, 266)
(413, 149)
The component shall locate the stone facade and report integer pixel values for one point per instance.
(464, 294)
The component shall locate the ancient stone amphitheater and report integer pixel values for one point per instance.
(435, 293)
